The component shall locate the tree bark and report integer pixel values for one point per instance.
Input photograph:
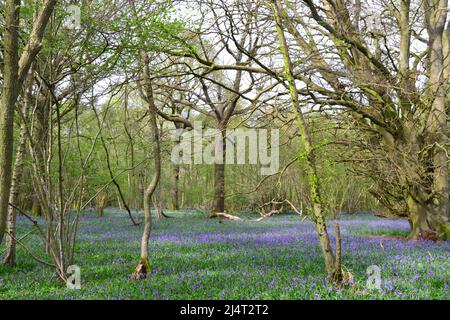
(36, 209)
(8, 100)
(438, 119)
(176, 178)
(420, 228)
(175, 187)
(143, 267)
(10, 255)
(219, 176)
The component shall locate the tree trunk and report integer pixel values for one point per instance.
(219, 175)
(428, 208)
(175, 179)
(175, 183)
(308, 154)
(420, 229)
(143, 267)
(131, 176)
(9, 95)
(41, 129)
(426, 221)
(36, 209)
(157, 203)
(174, 193)
(437, 122)
(10, 256)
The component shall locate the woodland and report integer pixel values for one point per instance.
(349, 101)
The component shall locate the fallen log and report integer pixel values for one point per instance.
(222, 215)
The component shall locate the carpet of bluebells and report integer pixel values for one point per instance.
(196, 258)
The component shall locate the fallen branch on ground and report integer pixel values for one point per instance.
(223, 215)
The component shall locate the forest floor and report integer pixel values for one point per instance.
(196, 258)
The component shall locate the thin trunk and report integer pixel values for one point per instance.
(157, 203)
(219, 176)
(10, 255)
(175, 183)
(132, 198)
(41, 130)
(119, 201)
(176, 178)
(9, 95)
(310, 164)
(143, 267)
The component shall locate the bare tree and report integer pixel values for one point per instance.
(227, 32)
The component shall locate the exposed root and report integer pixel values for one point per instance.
(341, 278)
(223, 215)
(428, 235)
(142, 270)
